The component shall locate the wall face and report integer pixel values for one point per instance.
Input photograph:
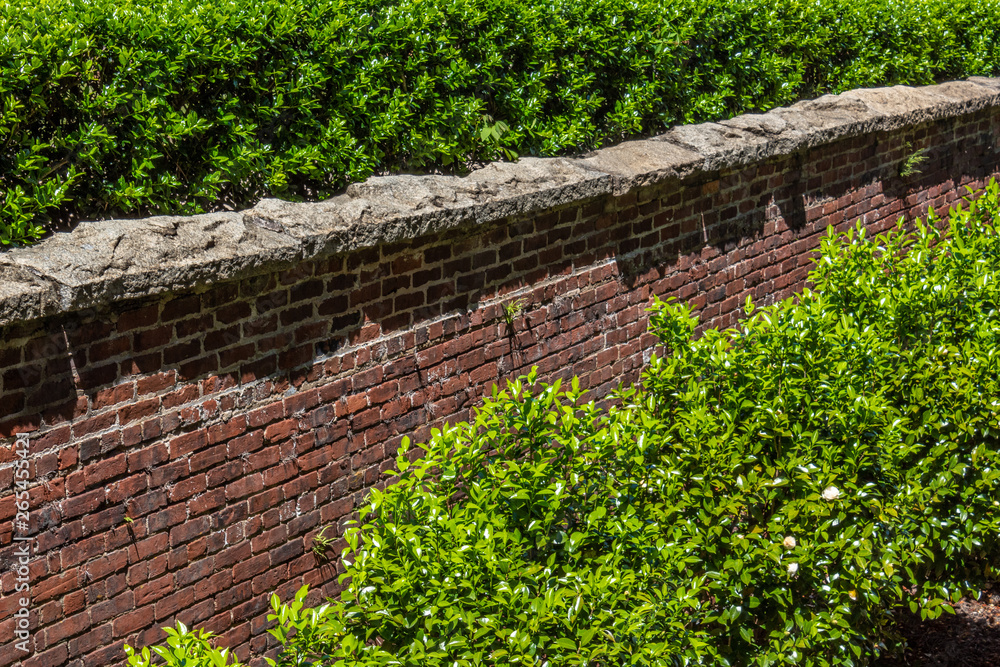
(185, 447)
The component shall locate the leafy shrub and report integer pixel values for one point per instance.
(184, 649)
(121, 107)
(770, 495)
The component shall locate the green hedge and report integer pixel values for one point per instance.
(771, 495)
(115, 107)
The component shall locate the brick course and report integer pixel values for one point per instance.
(232, 423)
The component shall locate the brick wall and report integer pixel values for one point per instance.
(187, 447)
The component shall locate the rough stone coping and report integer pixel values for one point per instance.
(103, 262)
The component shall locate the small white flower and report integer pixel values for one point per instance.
(789, 542)
(831, 493)
(793, 568)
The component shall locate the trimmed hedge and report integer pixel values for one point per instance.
(124, 107)
(770, 496)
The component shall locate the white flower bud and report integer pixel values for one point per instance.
(831, 493)
(793, 568)
(789, 542)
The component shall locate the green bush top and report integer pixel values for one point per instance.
(769, 496)
(126, 107)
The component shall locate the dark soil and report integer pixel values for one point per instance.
(969, 638)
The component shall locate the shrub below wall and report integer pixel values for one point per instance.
(117, 108)
(769, 497)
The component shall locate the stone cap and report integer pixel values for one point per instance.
(102, 262)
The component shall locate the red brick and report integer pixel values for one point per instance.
(199, 367)
(94, 424)
(168, 473)
(152, 338)
(250, 442)
(301, 402)
(281, 430)
(265, 415)
(155, 383)
(365, 419)
(108, 609)
(140, 317)
(107, 564)
(365, 379)
(100, 471)
(232, 312)
(271, 538)
(68, 458)
(183, 395)
(198, 326)
(236, 355)
(265, 501)
(261, 367)
(74, 602)
(244, 486)
(224, 473)
(50, 439)
(230, 429)
(248, 569)
(208, 457)
(188, 443)
(82, 503)
(186, 488)
(82, 550)
(154, 590)
(280, 473)
(67, 627)
(146, 503)
(295, 357)
(233, 555)
(353, 403)
(51, 657)
(137, 410)
(207, 502)
(103, 350)
(55, 586)
(189, 530)
(132, 621)
(175, 354)
(265, 458)
(148, 457)
(181, 307)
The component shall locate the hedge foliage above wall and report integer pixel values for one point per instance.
(113, 107)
